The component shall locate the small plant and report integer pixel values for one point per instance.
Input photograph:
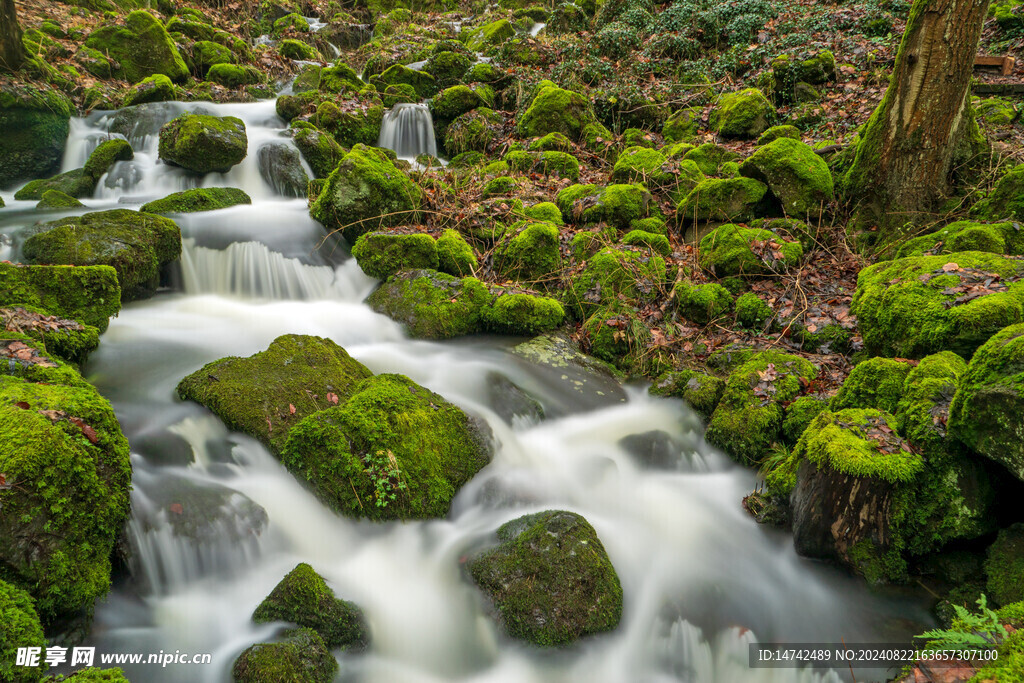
(382, 468)
(969, 631)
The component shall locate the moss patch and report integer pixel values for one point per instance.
(432, 305)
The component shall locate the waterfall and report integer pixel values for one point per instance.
(409, 130)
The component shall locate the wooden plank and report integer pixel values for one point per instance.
(1004, 63)
(998, 88)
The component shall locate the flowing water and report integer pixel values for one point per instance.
(409, 130)
(216, 521)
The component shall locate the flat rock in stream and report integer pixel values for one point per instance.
(587, 381)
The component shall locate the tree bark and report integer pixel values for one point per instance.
(904, 161)
(11, 51)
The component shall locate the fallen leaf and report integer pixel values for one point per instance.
(291, 408)
(176, 508)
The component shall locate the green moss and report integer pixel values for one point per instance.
(88, 294)
(319, 149)
(382, 254)
(364, 192)
(554, 110)
(35, 122)
(68, 339)
(255, 395)
(233, 75)
(140, 48)
(492, 34)
(81, 182)
(393, 450)
(682, 125)
(620, 205)
(727, 250)
(291, 22)
(432, 305)
(1006, 200)
(91, 675)
(616, 273)
(655, 242)
(502, 185)
(206, 53)
(752, 311)
(448, 68)
(643, 165)
(799, 415)
(70, 495)
(422, 82)
(55, 199)
(714, 199)
(749, 417)
(909, 307)
(302, 656)
(524, 314)
(1004, 566)
(343, 78)
(290, 48)
(21, 629)
(550, 580)
(303, 598)
(702, 392)
(746, 113)
(985, 412)
(572, 198)
(199, 199)
(702, 303)
(454, 255)
(839, 441)
(873, 383)
(560, 164)
(471, 131)
(545, 211)
(709, 157)
(777, 132)
(799, 178)
(552, 142)
(530, 254)
(136, 245)
(452, 102)
(616, 334)
(483, 72)
(204, 144)
(996, 238)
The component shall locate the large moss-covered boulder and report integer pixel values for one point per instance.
(137, 245)
(986, 411)
(21, 629)
(90, 295)
(381, 254)
(266, 394)
(996, 238)
(749, 417)
(614, 273)
(730, 250)
(35, 124)
(873, 383)
(199, 199)
(320, 150)
(555, 110)
(524, 314)
(799, 178)
(68, 478)
(140, 48)
(455, 256)
(422, 82)
(746, 114)
(913, 307)
(530, 254)
(723, 199)
(550, 580)
(492, 34)
(81, 182)
(366, 191)
(392, 450)
(304, 598)
(301, 656)
(204, 144)
(432, 305)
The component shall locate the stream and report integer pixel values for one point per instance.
(217, 521)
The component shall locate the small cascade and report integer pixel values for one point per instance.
(250, 270)
(537, 28)
(409, 130)
(315, 24)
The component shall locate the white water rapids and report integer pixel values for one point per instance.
(700, 578)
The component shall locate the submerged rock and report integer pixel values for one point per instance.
(589, 381)
(550, 580)
(281, 168)
(204, 144)
(304, 598)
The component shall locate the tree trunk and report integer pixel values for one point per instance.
(11, 52)
(904, 161)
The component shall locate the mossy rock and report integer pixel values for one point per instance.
(682, 125)
(81, 182)
(746, 114)
(1006, 200)
(52, 200)
(291, 22)
(392, 450)
(523, 314)
(778, 132)
(911, 307)
(21, 629)
(304, 598)
(1004, 566)
(644, 165)
(502, 185)
(381, 254)
(204, 144)
(715, 199)
(422, 82)
(199, 199)
(301, 656)
(552, 142)
(702, 303)
(352, 127)
(136, 245)
(559, 164)
(550, 580)
(729, 250)
(448, 68)
(995, 238)
(711, 158)
(290, 48)
(234, 75)
(365, 192)
(653, 241)
(454, 255)
(752, 312)
(545, 211)
(799, 414)
(555, 110)
(71, 478)
(749, 417)
(985, 413)
(873, 383)
(701, 391)
(36, 123)
(339, 78)
(320, 150)
(66, 339)
(90, 295)
(799, 178)
(399, 93)
(995, 112)
(432, 305)
(472, 131)
(255, 395)
(206, 53)
(626, 274)
(533, 253)
(141, 48)
(155, 88)
(488, 35)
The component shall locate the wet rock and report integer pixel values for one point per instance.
(653, 449)
(301, 656)
(702, 392)
(510, 401)
(585, 381)
(81, 182)
(319, 149)
(204, 144)
(281, 168)
(35, 122)
(206, 514)
(432, 305)
(199, 199)
(550, 579)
